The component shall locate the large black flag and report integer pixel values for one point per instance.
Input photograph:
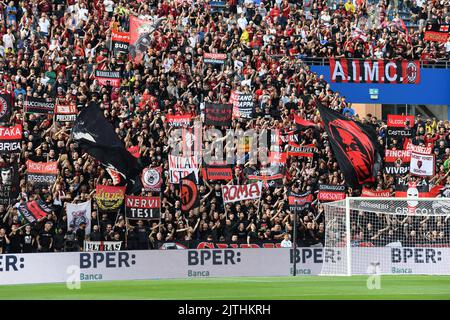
(189, 193)
(354, 145)
(96, 136)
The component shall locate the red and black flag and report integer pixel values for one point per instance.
(189, 193)
(354, 145)
(299, 202)
(34, 210)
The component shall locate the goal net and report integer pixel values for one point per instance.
(392, 236)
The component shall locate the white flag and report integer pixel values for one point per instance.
(422, 164)
(78, 213)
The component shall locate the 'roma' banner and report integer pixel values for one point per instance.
(299, 202)
(307, 151)
(66, 112)
(422, 164)
(190, 198)
(214, 58)
(180, 167)
(179, 120)
(437, 32)
(120, 42)
(243, 106)
(92, 246)
(366, 192)
(152, 179)
(374, 71)
(219, 115)
(6, 105)
(354, 145)
(34, 210)
(10, 139)
(399, 125)
(144, 208)
(217, 173)
(331, 192)
(233, 193)
(109, 197)
(397, 161)
(39, 105)
(106, 77)
(42, 173)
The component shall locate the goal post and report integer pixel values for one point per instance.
(391, 235)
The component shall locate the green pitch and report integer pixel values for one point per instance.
(392, 287)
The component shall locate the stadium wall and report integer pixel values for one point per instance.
(433, 89)
(165, 264)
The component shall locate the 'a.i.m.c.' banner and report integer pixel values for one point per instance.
(375, 71)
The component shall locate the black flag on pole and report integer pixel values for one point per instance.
(189, 193)
(354, 145)
(96, 136)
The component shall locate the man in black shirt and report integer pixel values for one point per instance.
(28, 240)
(14, 240)
(81, 234)
(3, 240)
(45, 239)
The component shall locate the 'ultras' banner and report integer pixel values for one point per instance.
(397, 161)
(34, 210)
(42, 173)
(331, 192)
(90, 246)
(144, 208)
(109, 197)
(120, 42)
(218, 114)
(399, 125)
(39, 105)
(233, 193)
(106, 77)
(152, 179)
(190, 198)
(243, 106)
(299, 202)
(354, 145)
(437, 32)
(179, 120)
(10, 139)
(374, 71)
(214, 58)
(422, 164)
(65, 112)
(375, 193)
(6, 106)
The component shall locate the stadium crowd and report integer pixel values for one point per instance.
(51, 49)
